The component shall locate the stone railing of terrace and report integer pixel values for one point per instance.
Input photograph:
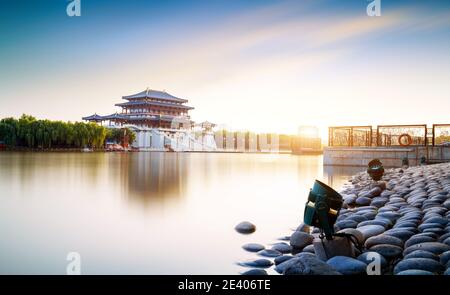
(357, 145)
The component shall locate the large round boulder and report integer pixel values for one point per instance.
(433, 247)
(426, 264)
(253, 247)
(363, 201)
(282, 248)
(255, 272)
(415, 272)
(257, 263)
(383, 239)
(422, 254)
(418, 239)
(347, 265)
(300, 240)
(368, 231)
(306, 264)
(245, 227)
(388, 251)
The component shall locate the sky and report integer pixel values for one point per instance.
(260, 65)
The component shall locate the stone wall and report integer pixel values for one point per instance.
(389, 156)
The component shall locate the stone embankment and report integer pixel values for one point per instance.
(403, 220)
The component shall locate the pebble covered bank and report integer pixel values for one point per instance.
(404, 218)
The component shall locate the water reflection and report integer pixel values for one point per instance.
(151, 176)
(148, 213)
(336, 176)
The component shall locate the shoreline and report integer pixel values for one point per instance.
(403, 220)
(78, 150)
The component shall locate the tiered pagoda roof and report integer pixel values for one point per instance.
(153, 103)
(156, 94)
(147, 107)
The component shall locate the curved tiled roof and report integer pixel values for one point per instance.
(93, 117)
(136, 103)
(114, 116)
(150, 93)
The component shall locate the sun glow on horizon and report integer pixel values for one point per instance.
(265, 68)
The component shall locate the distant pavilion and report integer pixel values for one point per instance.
(149, 108)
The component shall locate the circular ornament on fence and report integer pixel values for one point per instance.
(401, 139)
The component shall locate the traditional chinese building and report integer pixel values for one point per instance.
(160, 121)
(149, 108)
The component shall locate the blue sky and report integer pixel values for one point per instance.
(260, 65)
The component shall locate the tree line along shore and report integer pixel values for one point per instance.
(27, 132)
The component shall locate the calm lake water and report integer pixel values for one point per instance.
(148, 213)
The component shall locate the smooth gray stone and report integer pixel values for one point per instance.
(363, 201)
(346, 224)
(364, 258)
(388, 251)
(269, 253)
(365, 209)
(349, 200)
(383, 239)
(415, 272)
(422, 254)
(378, 202)
(444, 237)
(253, 247)
(376, 191)
(371, 230)
(364, 194)
(433, 235)
(389, 215)
(356, 217)
(445, 258)
(418, 263)
(301, 254)
(245, 227)
(386, 193)
(405, 224)
(254, 272)
(437, 231)
(447, 204)
(307, 265)
(281, 259)
(304, 228)
(300, 240)
(257, 263)
(418, 239)
(438, 210)
(433, 247)
(430, 216)
(282, 248)
(309, 248)
(388, 208)
(400, 233)
(424, 226)
(369, 215)
(347, 265)
(447, 241)
(383, 223)
(411, 216)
